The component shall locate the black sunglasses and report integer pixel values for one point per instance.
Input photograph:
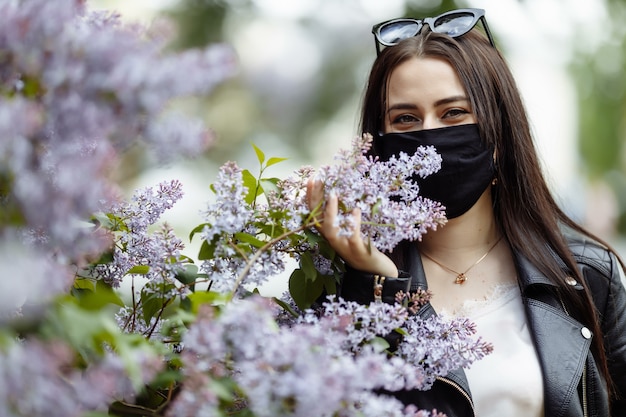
(453, 23)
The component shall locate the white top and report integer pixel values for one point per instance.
(507, 382)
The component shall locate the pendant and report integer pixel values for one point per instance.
(460, 279)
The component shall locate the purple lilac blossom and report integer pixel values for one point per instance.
(16, 293)
(136, 245)
(77, 89)
(391, 208)
(285, 370)
(228, 213)
(38, 379)
(392, 211)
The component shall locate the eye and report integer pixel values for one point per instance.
(455, 113)
(404, 119)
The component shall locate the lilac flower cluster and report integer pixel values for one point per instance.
(392, 211)
(135, 245)
(229, 213)
(226, 215)
(76, 88)
(286, 370)
(428, 344)
(391, 208)
(138, 252)
(39, 379)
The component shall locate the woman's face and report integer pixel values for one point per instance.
(425, 93)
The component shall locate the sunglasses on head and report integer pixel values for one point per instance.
(453, 23)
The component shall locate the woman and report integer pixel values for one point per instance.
(544, 291)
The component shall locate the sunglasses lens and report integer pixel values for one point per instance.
(454, 24)
(394, 32)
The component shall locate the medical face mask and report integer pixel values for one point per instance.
(467, 166)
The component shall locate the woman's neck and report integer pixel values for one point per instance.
(472, 231)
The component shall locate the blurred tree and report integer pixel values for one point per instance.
(261, 105)
(598, 71)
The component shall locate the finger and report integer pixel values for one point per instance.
(330, 213)
(315, 193)
(355, 238)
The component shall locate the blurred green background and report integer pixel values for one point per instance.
(303, 65)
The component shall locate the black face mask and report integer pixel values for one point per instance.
(467, 166)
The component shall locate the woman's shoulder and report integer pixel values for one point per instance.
(590, 253)
(600, 267)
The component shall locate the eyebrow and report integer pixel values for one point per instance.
(410, 106)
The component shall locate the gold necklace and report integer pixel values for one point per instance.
(460, 276)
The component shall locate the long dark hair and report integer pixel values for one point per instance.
(533, 228)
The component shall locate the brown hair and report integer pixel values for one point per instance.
(533, 228)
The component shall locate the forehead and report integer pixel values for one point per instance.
(423, 79)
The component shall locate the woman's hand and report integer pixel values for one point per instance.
(353, 250)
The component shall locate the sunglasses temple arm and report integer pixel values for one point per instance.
(487, 31)
(377, 46)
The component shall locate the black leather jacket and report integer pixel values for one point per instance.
(573, 384)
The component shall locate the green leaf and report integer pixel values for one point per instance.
(269, 184)
(206, 297)
(139, 270)
(304, 291)
(91, 333)
(285, 306)
(189, 275)
(198, 229)
(380, 344)
(207, 250)
(248, 238)
(31, 87)
(163, 379)
(250, 182)
(313, 238)
(273, 230)
(401, 331)
(259, 154)
(222, 388)
(84, 284)
(274, 160)
(376, 207)
(84, 329)
(101, 296)
(154, 297)
(308, 267)
(122, 409)
(330, 284)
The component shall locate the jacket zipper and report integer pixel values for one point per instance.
(461, 391)
(585, 412)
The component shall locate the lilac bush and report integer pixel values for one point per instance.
(285, 371)
(79, 87)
